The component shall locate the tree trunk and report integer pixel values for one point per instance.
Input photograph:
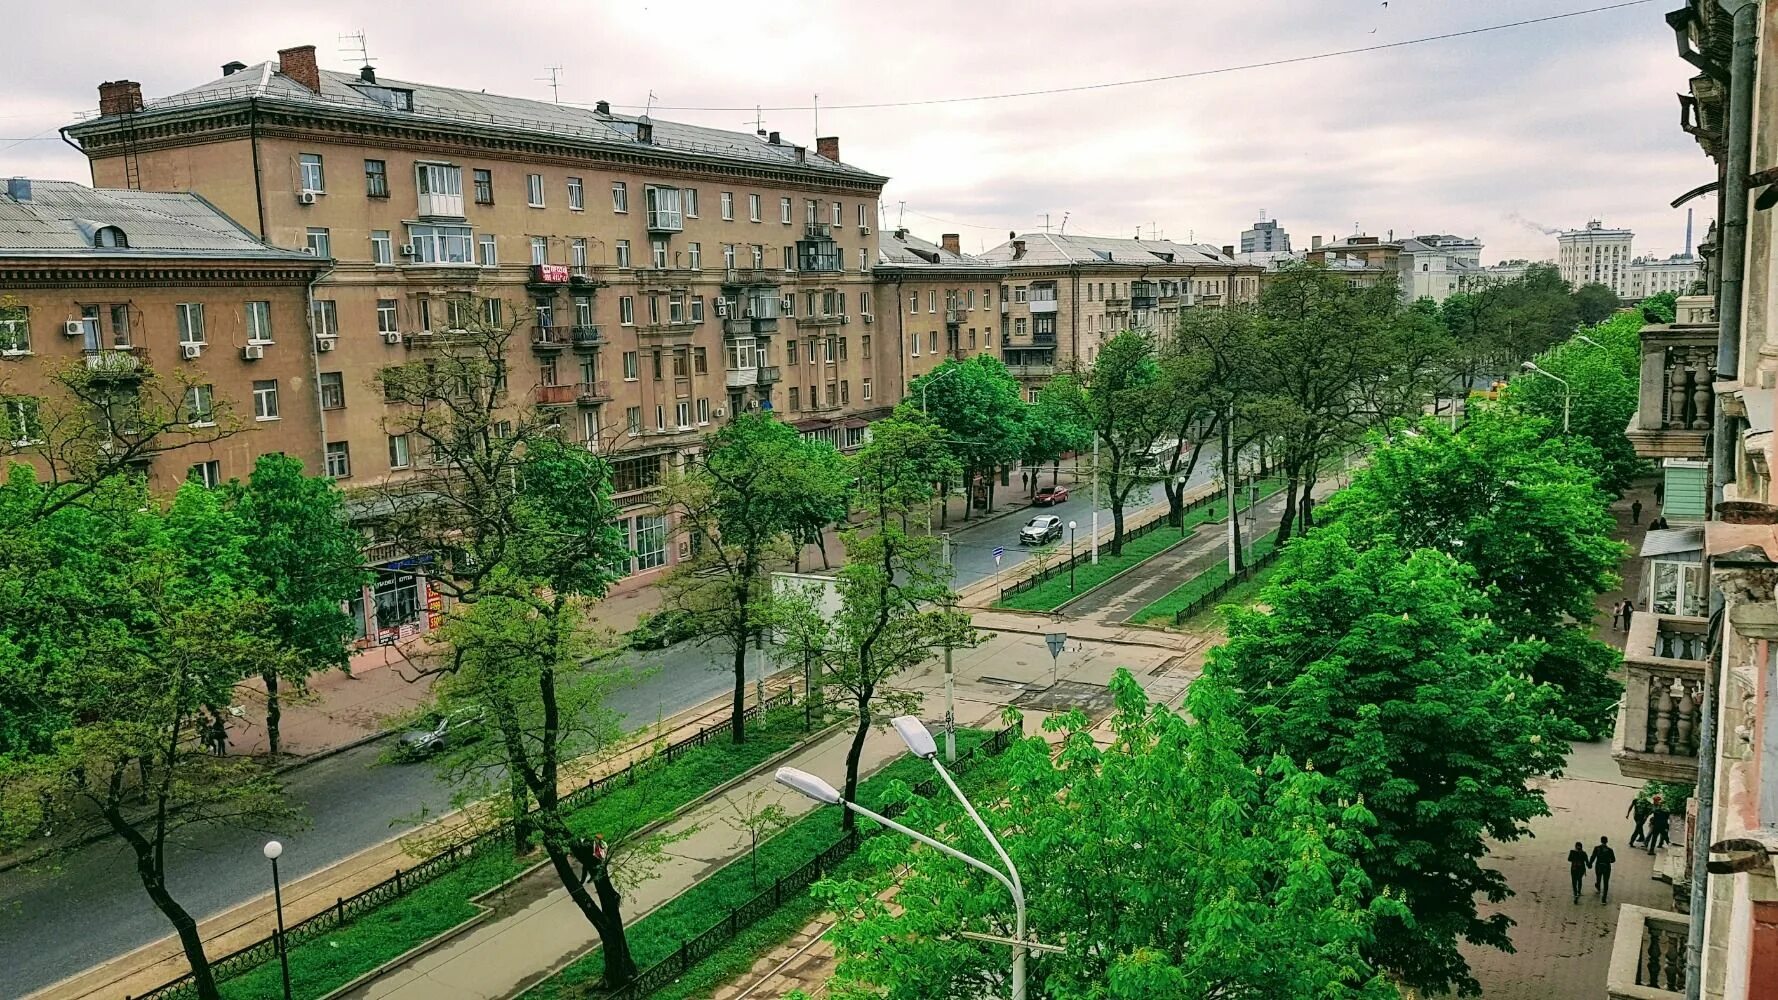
(155, 884)
(990, 508)
(606, 914)
(1117, 525)
(1289, 518)
(740, 707)
(821, 544)
(273, 711)
(848, 819)
(521, 815)
(1055, 472)
(1175, 503)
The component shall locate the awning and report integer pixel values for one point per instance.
(1673, 541)
(856, 422)
(812, 424)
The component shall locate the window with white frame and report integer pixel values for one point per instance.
(382, 248)
(663, 205)
(742, 354)
(649, 542)
(789, 259)
(632, 366)
(863, 223)
(658, 253)
(490, 254)
(837, 213)
(660, 416)
(863, 260)
(317, 241)
(324, 318)
(534, 190)
(339, 459)
(309, 173)
(259, 322)
(577, 254)
(759, 257)
(199, 409)
(865, 388)
(576, 195)
(333, 390)
(191, 322)
(753, 208)
(22, 419)
(728, 256)
(589, 427)
(265, 399)
(626, 310)
(620, 197)
(682, 414)
(728, 206)
(440, 187)
(539, 250)
(205, 474)
(623, 253)
(442, 244)
(703, 410)
(386, 316)
(694, 256)
(398, 451)
(15, 329)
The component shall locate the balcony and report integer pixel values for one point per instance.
(588, 393)
(817, 231)
(821, 319)
(440, 205)
(768, 374)
(1673, 412)
(741, 378)
(1144, 294)
(1116, 302)
(740, 277)
(586, 336)
(665, 220)
(548, 277)
(118, 366)
(749, 327)
(1656, 737)
(1044, 305)
(953, 316)
(545, 337)
(664, 277)
(1031, 371)
(1647, 955)
(556, 395)
(669, 329)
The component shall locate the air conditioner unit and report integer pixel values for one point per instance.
(722, 309)
(864, 230)
(391, 337)
(74, 328)
(787, 304)
(324, 344)
(253, 352)
(310, 251)
(869, 319)
(718, 413)
(305, 197)
(407, 249)
(190, 351)
(844, 319)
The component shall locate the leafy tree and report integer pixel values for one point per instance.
(1662, 307)
(977, 402)
(1157, 860)
(1197, 388)
(1601, 395)
(756, 481)
(304, 559)
(1381, 667)
(1595, 303)
(911, 458)
(1050, 432)
(1115, 402)
(758, 819)
(126, 625)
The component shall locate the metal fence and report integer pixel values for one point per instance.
(348, 908)
(1218, 592)
(668, 970)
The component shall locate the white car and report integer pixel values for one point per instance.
(1040, 529)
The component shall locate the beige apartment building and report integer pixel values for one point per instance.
(938, 304)
(166, 303)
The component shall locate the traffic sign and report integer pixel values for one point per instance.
(1056, 641)
(999, 550)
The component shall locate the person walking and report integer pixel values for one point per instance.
(1658, 820)
(1602, 860)
(1635, 512)
(1577, 868)
(1640, 810)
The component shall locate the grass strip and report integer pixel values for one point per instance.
(1185, 594)
(1055, 592)
(660, 933)
(328, 962)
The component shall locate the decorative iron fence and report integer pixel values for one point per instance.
(349, 908)
(669, 969)
(1218, 592)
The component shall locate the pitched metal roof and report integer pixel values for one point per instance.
(1052, 249)
(899, 248)
(349, 92)
(62, 219)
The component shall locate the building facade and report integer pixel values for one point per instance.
(1266, 236)
(1434, 267)
(939, 304)
(1595, 255)
(162, 304)
(1363, 260)
(1654, 275)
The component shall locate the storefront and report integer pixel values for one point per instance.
(398, 604)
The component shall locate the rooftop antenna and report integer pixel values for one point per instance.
(648, 109)
(555, 82)
(1262, 215)
(355, 40)
(1064, 228)
(817, 116)
(759, 122)
(900, 220)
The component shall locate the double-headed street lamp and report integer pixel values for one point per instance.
(920, 742)
(1531, 366)
(273, 850)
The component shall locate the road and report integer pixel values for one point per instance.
(53, 925)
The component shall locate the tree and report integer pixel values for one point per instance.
(1381, 667)
(304, 559)
(1158, 861)
(1196, 391)
(757, 481)
(1601, 395)
(977, 403)
(1115, 402)
(894, 593)
(758, 819)
(1595, 303)
(1050, 433)
(1661, 307)
(126, 625)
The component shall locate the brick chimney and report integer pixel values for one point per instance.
(1228, 249)
(117, 97)
(299, 65)
(1018, 249)
(951, 243)
(828, 146)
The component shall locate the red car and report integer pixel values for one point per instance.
(1050, 495)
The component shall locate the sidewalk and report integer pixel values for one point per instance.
(339, 709)
(537, 930)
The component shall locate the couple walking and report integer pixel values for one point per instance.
(1600, 861)
(1652, 812)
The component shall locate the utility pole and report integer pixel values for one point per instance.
(1096, 498)
(950, 677)
(1228, 486)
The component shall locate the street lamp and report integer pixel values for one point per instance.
(1586, 339)
(273, 850)
(1531, 366)
(1071, 527)
(939, 375)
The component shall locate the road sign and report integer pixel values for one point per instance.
(999, 550)
(1056, 641)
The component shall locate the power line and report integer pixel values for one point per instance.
(1266, 64)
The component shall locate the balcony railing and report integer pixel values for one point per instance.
(1656, 736)
(556, 395)
(741, 378)
(953, 316)
(119, 365)
(1647, 955)
(592, 392)
(1042, 305)
(545, 337)
(665, 220)
(448, 205)
(817, 231)
(1674, 405)
(821, 319)
(768, 374)
(586, 336)
(1031, 371)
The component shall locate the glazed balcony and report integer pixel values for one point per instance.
(741, 378)
(768, 374)
(1144, 294)
(1656, 737)
(116, 366)
(1042, 301)
(1647, 955)
(1674, 408)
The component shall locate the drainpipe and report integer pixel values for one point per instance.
(1733, 241)
(1706, 793)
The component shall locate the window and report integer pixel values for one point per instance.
(200, 405)
(753, 208)
(680, 362)
(932, 300)
(654, 310)
(742, 354)
(728, 206)
(864, 345)
(913, 303)
(265, 399)
(206, 474)
(842, 348)
(676, 307)
(827, 349)
(259, 322)
(682, 414)
(845, 391)
(660, 416)
(794, 404)
(324, 319)
(576, 196)
(308, 166)
(442, 244)
(864, 223)
(22, 419)
(333, 390)
(398, 452)
(110, 236)
(811, 211)
(460, 313)
(376, 179)
(589, 427)
(784, 210)
(631, 366)
(759, 257)
(318, 243)
(626, 310)
(650, 542)
(814, 350)
(658, 253)
(191, 322)
(632, 421)
(539, 250)
(534, 190)
(865, 389)
(490, 255)
(484, 187)
(339, 459)
(382, 249)
(863, 260)
(932, 342)
(700, 361)
(577, 254)
(790, 354)
(837, 214)
(386, 316)
(1018, 327)
(789, 259)
(697, 310)
(694, 256)
(120, 326)
(703, 411)
(662, 205)
(15, 330)
(623, 253)
(620, 197)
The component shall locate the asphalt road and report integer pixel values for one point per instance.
(94, 908)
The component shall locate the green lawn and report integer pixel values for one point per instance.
(1163, 610)
(328, 962)
(661, 933)
(1054, 592)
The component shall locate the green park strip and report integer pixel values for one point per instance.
(1186, 594)
(1055, 592)
(325, 963)
(659, 934)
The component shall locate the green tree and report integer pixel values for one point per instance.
(1662, 307)
(755, 482)
(1115, 403)
(1602, 393)
(1157, 860)
(1050, 432)
(978, 404)
(1381, 668)
(304, 560)
(1595, 303)
(1196, 390)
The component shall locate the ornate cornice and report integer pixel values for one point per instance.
(62, 273)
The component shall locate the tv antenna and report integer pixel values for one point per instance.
(817, 116)
(1046, 222)
(1064, 228)
(555, 82)
(759, 122)
(355, 46)
(648, 109)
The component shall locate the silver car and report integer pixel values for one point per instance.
(1040, 529)
(441, 732)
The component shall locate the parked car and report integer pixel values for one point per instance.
(440, 732)
(1050, 496)
(1040, 529)
(661, 629)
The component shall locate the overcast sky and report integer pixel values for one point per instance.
(1500, 135)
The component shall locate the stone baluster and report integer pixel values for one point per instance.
(1700, 404)
(1660, 711)
(1685, 711)
(1677, 393)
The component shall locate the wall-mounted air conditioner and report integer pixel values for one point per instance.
(253, 352)
(305, 197)
(190, 352)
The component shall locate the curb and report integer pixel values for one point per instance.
(415, 952)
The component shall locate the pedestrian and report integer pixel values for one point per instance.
(1660, 523)
(1577, 868)
(1602, 860)
(1660, 491)
(1658, 820)
(1626, 609)
(1635, 512)
(1640, 810)
(219, 736)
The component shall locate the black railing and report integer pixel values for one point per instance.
(348, 908)
(1218, 592)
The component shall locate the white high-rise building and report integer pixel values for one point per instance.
(1654, 275)
(1266, 236)
(1595, 256)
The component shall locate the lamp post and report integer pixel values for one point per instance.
(1071, 527)
(940, 374)
(273, 850)
(1531, 366)
(1586, 339)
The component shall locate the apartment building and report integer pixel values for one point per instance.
(1265, 236)
(661, 274)
(939, 303)
(1437, 266)
(1596, 255)
(1363, 260)
(171, 308)
(1064, 296)
(1654, 275)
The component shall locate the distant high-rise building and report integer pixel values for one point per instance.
(1266, 236)
(1595, 256)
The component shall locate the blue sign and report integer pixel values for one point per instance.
(999, 550)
